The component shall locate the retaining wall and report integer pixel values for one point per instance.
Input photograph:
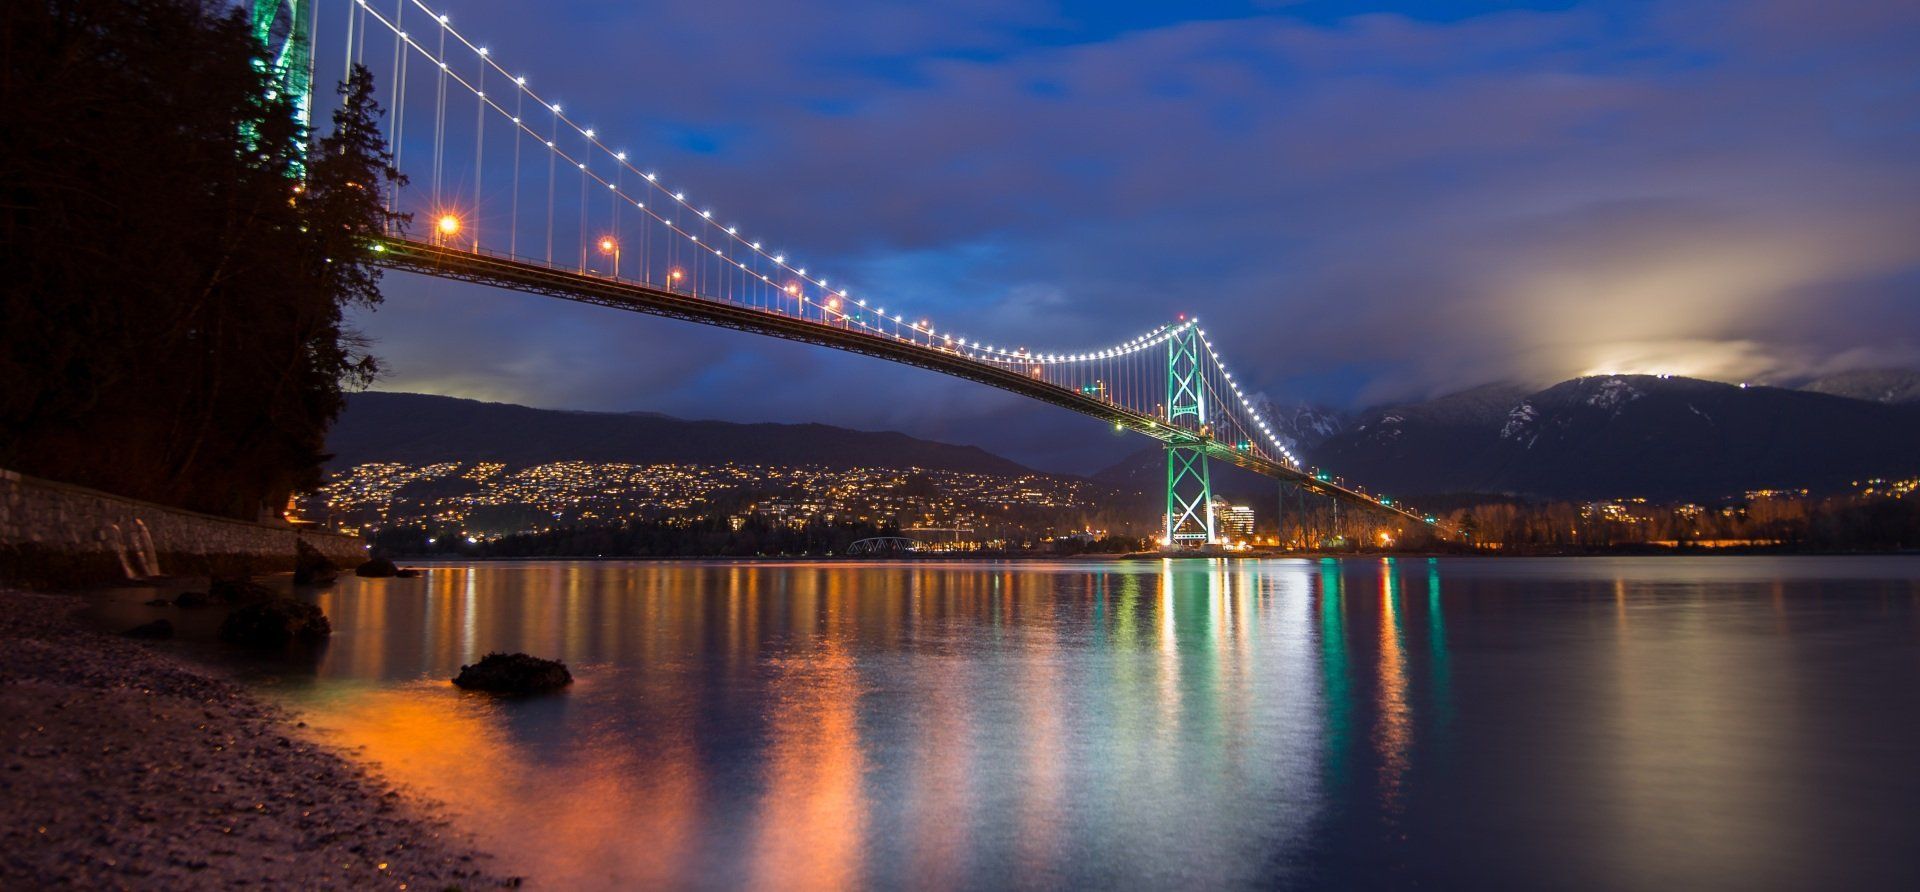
(57, 534)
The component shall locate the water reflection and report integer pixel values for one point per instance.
(1156, 723)
(1394, 732)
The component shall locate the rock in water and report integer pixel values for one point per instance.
(376, 568)
(191, 599)
(310, 567)
(514, 674)
(275, 623)
(159, 628)
(238, 590)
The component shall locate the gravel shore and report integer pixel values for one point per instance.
(125, 768)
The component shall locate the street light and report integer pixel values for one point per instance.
(673, 278)
(609, 245)
(448, 226)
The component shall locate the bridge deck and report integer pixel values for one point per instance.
(503, 272)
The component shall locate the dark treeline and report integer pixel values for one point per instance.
(174, 287)
(1102, 545)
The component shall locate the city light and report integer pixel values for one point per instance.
(448, 224)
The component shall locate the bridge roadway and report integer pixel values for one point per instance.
(483, 268)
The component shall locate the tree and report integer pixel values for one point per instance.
(175, 292)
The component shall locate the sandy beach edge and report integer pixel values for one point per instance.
(123, 767)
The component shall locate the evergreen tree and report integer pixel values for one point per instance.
(175, 294)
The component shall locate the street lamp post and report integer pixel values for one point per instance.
(609, 245)
(446, 227)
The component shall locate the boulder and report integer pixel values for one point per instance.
(191, 599)
(310, 567)
(275, 623)
(159, 628)
(376, 568)
(238, 590)
(514, 674)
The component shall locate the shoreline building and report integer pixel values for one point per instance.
(1235, 521)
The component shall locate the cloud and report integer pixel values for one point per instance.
(1370, 207)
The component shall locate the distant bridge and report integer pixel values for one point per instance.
(883, 545)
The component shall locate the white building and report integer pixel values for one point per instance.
(1232, 522)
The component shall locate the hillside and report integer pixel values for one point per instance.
(419, 429)
(1613, 435)
(1628, 435)
(1892, 386)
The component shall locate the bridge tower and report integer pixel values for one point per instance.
(1189, 486)
(285, 28)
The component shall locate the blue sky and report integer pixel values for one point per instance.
(1366, 201)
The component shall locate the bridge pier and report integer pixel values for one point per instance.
(1189, 484)
(1280, 514)
(1190, 519)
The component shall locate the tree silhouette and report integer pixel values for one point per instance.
(175, 292)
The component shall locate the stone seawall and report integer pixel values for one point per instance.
(56, 534)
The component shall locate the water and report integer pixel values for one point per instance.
(1736, 723)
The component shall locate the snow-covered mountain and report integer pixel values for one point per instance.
(1605, 436)
(1892, 386)
(1303, 426)
(1627, 435)
(1419, 426)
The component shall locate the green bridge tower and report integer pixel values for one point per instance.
(1189, 487)
(285, 28)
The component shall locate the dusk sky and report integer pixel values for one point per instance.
(1363, 201)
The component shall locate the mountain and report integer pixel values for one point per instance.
(1145, 472)
(1892, 386)
(1456, 423)
(1627, 435)
(1605, 436)
(420, 429)
(1303, 426)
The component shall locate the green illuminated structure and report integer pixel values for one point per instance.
(284, 27)
(1189, 488)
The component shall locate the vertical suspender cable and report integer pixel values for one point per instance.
(582, 235)
(398, 103)
(513, 234)
(347, 54)
(479, 149)
(551, 172)
(440, 117)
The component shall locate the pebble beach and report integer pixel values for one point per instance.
(125, 768)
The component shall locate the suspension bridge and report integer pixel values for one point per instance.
(515, 191)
